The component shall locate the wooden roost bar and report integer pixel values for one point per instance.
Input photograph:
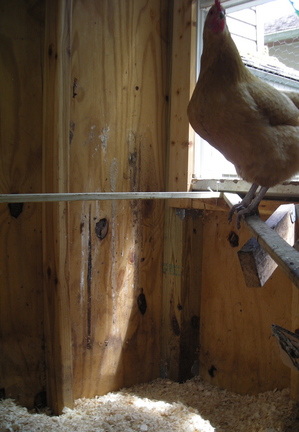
(100, 294)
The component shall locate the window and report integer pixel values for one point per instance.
(267, 36)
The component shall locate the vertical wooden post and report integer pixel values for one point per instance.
(56, 217)
(21, 294)
(172, 270)
(180, 330)
(295, 320)
(182, 83)
(295, 328)
(181, 293)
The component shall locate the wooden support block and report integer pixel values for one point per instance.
(283, 254)
(256, 263)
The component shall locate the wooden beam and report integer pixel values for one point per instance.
(56, 246)
(183, 70)
(282, 253)
(287, 189)
(256, 263)
(182, 268)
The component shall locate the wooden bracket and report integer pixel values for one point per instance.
(256, 263)
(271, 245)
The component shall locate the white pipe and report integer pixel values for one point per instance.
(101, 196)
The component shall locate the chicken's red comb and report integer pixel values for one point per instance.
(218, 5)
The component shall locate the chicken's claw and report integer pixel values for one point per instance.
(236, 209)
(242, 212)
(249, 204)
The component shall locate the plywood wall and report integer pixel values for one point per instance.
(106, 64)
(85, 104)
(100, 295)
(22, 365)
(238, 351)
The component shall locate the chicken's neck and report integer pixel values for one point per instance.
(221, 60)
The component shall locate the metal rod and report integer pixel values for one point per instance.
(101, 196)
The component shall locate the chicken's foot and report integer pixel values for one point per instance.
(244, 203)
(249, 204)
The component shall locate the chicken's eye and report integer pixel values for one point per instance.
(222, 15)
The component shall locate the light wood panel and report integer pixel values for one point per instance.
(22, 368)
(238, 351)
(116, 141)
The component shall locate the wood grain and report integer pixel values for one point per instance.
(181, 293)
(118, 143)
(56, 226)
(182, 137)
(237, 350)
(285, 256)
(22, 367)
(295, 326)
(172, 289)
(256, 263)
(295, 322)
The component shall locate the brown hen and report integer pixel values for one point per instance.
(255, 126)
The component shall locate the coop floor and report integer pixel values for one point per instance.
(162, 405)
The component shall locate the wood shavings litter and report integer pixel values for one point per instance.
(163, 406)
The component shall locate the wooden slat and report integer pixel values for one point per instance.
(237, 186)
(182, 84)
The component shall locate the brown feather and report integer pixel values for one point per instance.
(255, 126)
